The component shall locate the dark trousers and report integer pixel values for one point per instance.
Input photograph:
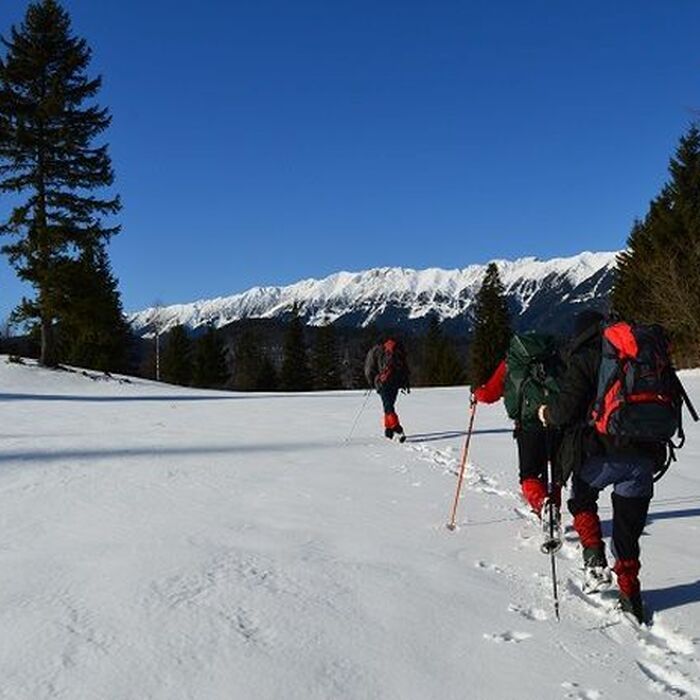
(388, 394)
(633, 483)
(533, 453)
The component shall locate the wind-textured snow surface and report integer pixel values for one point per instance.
(398, 296)
(158, 542)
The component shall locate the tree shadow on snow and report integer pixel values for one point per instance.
(134, 452)
(109, 399)
(450, 434)
(219, 396)
(659, 599)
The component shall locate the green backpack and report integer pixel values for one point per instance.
(533, 369)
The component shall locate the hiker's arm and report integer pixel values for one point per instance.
(492, 390)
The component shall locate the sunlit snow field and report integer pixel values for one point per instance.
(159, 542)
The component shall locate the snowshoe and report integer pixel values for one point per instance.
(596, 573)
(596, 579)
(551, 528)
(632, 606)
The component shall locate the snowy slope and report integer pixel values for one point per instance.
(158, 542)
(401, 296)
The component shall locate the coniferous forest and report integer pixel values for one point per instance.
(658, 279)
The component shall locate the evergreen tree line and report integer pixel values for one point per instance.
(324, 359)
(53, 169)
(658, 278)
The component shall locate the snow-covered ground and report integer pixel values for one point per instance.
(157, 542)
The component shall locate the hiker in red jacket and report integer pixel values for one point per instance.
(532, 445)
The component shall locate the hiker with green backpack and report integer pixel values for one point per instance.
(525, 379)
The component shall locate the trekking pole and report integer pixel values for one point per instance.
(686, 400)
(463, 464)
(552, 523)
(555, 592)
(357, 416)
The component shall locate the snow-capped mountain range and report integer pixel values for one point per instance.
(541, 294)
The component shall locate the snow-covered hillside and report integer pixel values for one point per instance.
(158, 542)
(541, 293)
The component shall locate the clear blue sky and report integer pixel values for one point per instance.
(263, 141)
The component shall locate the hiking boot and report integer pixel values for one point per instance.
(389, 432)
(594, 556)
(398, 430)
(596, 573)
(632, 605)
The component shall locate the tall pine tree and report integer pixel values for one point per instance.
(48, 157)
(295, 374)
(491, 328)
(92, 331)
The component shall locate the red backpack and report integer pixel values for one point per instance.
(639, 397)
(393, 367)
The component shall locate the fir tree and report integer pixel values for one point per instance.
(210, 366)
(326, 359)
(177, 357)
(658, 277)
(491, 328)
(48, 158)
(92, 331)
(295, 374)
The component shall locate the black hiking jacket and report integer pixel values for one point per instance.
(571, 408)
(579, 383)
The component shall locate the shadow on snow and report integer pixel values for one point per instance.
(673, 597)
(219, 396)
(450, 434)
(131, 452)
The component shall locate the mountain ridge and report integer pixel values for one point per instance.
(540, 294)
